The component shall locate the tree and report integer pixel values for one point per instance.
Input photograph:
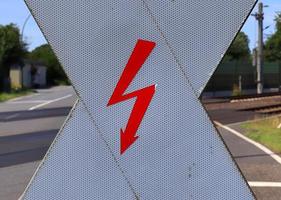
(12, 50)
(272, 50)
(239, 49)
(55, 73)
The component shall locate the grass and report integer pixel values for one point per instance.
(265, 132)
(4, 96)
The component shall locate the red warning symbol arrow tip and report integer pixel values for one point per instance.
(143, 96)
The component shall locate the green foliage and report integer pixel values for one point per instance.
(239, 49)
(273, 44)
(55, 73)
(12, 49)
(265, 132)
(4, 96)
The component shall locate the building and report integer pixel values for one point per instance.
(31, 74)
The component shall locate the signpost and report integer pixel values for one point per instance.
(138, 130)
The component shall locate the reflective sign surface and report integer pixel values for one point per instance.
(147, 92)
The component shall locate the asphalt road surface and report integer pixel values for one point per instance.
(259, 168)
(28, 126)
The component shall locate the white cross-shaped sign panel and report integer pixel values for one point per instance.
(139, 130)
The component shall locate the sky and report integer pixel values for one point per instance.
(250, 27)
(15, 11)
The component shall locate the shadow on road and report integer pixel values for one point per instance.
(34, 114)
(23, 148)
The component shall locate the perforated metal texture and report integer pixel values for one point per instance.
(199, 32)
(78, 166)
(178, 154)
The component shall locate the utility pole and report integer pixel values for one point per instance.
(260, 17)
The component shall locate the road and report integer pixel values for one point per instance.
(28, 126)
(257, 166)
(260, 166)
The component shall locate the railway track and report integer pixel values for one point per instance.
(265, 104)
(270, 110)
(261, 105)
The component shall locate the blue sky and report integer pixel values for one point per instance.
(250, 27)
(15, 11)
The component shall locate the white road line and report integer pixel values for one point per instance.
(12, 116)
(48, 102)
(255, 120)
(264, 184)
(258, 145)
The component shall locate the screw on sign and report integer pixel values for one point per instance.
(143, 96)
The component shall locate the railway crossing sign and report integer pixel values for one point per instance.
(138, 129)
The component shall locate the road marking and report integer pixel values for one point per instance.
(256, 120)
(264, 184)
(49, 102)
(258, 145)
(11, 116)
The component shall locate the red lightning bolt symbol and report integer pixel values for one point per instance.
(143, 96)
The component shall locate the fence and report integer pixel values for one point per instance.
(227, 75)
